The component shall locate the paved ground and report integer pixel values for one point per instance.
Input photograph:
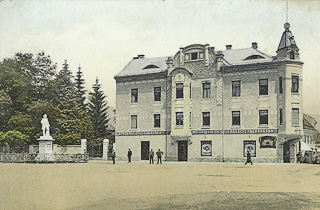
(101, 185)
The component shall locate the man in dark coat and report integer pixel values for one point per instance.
(248, 158)
(129, 155)
(151, 156)
(159, 154)
(113, 154)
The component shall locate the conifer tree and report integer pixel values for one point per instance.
(98, 110)
(80, 87)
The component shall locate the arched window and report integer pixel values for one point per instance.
(292, 55)
(151, 67)
(251, 57)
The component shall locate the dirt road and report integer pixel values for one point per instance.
(138, 185)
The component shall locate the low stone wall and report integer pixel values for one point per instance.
(58, 149)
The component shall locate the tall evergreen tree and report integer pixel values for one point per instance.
(98, 110)
(80, 87)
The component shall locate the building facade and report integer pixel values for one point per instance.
(208, 105)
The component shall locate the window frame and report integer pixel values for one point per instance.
(295, 90)
(134, 96)
(280, 116)
(297, 116)
(263, 91)
(156, 121)
(179, 92)
(157, 95)
(206, 91)
(234, 117)
(206, 120)
(177, 119)
(262, 117)
(235, 87)
(136, 122)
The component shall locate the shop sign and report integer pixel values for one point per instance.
(206, 148)
(268, 141)
(251, 146)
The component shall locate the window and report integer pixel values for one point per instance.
(194, 56)
(263, 117)
(206, 90)
(206, 118)
(156, 120)
(281, 116)
(157, 94)
(236, 89)
(206, 148)
(151, 67)
(190, 91)
(280, 85)
(179, 118)
(134, 123)
(252, 57)
(134, 95)
(292, 55)
(190, 122)
(179, 90)
(263, 87)
(295, 84)
(295, 116)
(236, 118)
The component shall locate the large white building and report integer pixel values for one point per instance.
(204, 104)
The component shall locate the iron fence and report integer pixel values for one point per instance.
(30, 158)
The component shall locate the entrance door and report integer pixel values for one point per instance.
(286, 152)
(182, 150)
(145, 150)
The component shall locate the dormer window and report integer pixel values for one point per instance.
(292, 55)
(193, 56)
(151, 67)
(252, 57)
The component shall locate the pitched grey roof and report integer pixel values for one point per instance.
(137, 66)
(242, 56)
(285, 39)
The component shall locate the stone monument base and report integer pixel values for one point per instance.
(43, 157)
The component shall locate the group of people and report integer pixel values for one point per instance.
(159, 154)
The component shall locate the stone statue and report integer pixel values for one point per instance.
(45, 126)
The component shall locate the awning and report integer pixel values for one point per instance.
(304, 146)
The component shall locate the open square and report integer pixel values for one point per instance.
(139, 185)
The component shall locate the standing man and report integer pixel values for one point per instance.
(248, 157)
(151, 156)
(129, 155)
(159, 154)
(113, 154)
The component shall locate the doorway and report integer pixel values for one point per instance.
(182, 150)
(145, 150)
(286, 152)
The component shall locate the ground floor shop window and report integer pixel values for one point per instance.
(206, 148)
(251, 146)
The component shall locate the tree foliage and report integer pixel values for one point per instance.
(98, 107)
(79, 84)
(5, 109)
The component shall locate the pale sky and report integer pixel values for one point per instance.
(103, 36)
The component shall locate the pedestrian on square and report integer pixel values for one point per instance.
(299, 156)
(248, 157)
(129, 155)
(151, 156)
(159, 154)
(113, 154)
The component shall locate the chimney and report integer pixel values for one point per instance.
(254, 45)
(181, 63)
(169, 62)
(140, 56)
(219, 57)
(228, 47)
(206, 54)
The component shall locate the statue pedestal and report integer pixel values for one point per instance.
(45, 149)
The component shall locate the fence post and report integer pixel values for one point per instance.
(84, 146)
(105, 149)
(30, 148)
